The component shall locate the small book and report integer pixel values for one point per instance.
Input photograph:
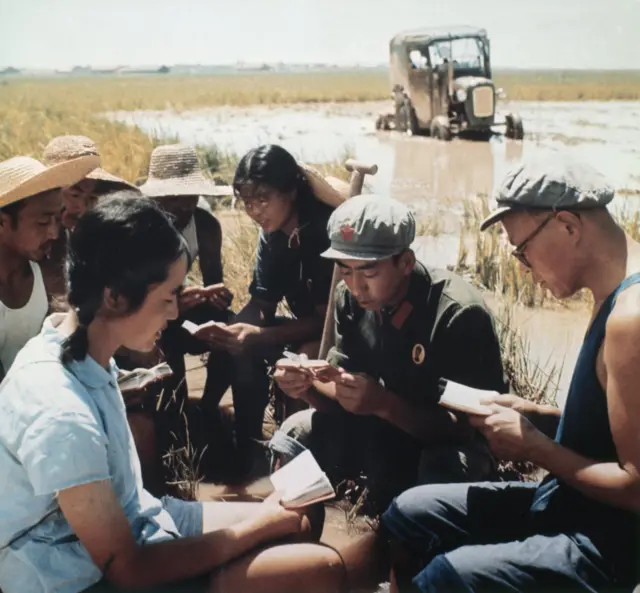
(302, 482)
(191, 327)
(303, 363)
(140, 378)
(465, 399)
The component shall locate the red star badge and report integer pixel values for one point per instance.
(347, 232)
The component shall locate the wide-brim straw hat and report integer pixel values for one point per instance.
(330, 190)
(64, 148)
(22, 176)
(174, 171)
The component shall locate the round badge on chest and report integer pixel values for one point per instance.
(418, 354)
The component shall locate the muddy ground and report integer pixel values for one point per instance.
(338, 530)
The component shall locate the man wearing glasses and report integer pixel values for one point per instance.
(577, 530)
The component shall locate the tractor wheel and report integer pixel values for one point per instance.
(514, 130)
(399, 117)
(441, 128)
(411, 121)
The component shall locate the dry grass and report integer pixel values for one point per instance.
(240, 237)
(183, 462)
(28, 123)
(570, 85)
(493, 267)
(219, 165)
(629, 219)
(429, 226)
(485, 257)
(526, 379)
(100, 94)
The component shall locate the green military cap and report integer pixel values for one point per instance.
(550, 184)
(370, 227)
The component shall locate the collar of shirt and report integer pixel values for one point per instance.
(88, 371)
(398, 314)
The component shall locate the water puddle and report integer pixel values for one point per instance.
(606, 134)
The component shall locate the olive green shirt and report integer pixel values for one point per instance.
(442, 329)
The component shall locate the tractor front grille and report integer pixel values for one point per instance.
(483, 99)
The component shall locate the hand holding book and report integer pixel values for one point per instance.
(301, 482)
(318, 370)
(462, 398)
(141, 378)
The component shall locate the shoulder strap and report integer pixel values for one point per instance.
(626, 283)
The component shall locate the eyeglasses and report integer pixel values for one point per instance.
(518, 252)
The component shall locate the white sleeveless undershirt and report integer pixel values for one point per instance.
(191, 237)
(18, 326)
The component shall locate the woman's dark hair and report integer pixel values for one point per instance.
(274, 166)
(125, 244)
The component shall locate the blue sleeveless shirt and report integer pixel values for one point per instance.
(584, 427)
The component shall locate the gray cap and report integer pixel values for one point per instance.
(557, 184)
(370, 227)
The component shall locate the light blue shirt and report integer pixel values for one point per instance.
(62, 427)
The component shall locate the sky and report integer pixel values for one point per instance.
(592, 34)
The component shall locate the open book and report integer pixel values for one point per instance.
(139, 378)
(193, 328)
(302, 482)
(466, 399)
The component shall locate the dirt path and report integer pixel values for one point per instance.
(338, 529)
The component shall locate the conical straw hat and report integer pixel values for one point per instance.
(65, 148)
(23, 176)
(174, 171)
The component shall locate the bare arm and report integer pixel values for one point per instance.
(544, 417)
(430, 423)
(322, 397)
(361, 394)
(293, 331)
(260, 313)
(95, 515)
(611, 483)
(256, 312)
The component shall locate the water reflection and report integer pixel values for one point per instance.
(606, 135)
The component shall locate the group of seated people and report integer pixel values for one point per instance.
(94, 279)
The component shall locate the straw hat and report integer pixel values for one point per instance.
(330, 190)
(174, 171)
(22, 177)
(64, 148)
